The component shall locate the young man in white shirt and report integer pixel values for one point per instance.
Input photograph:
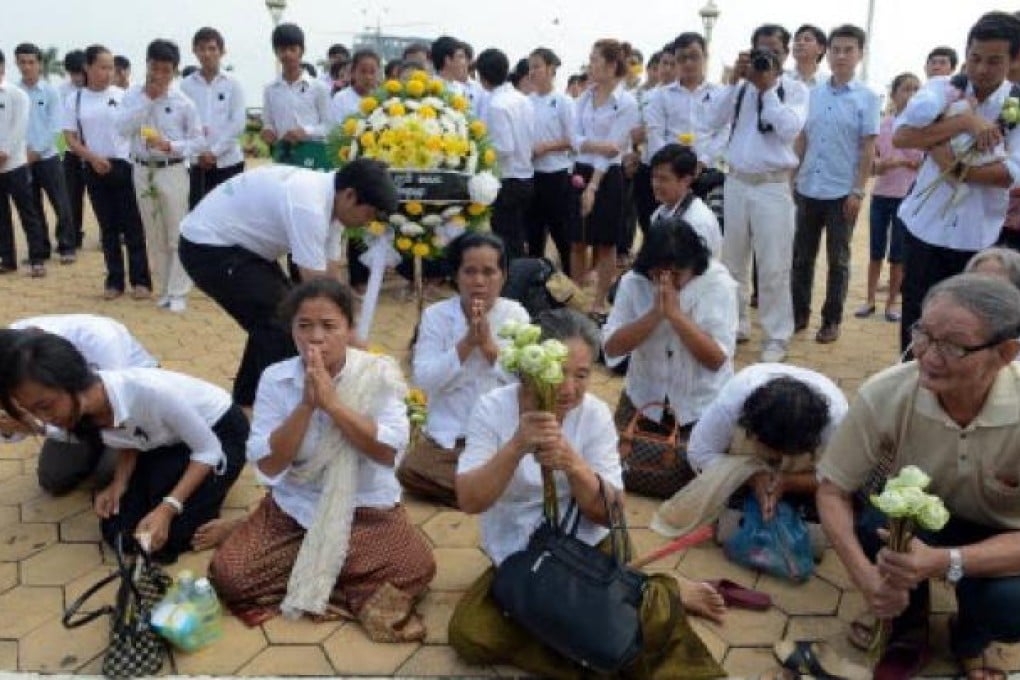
(231, 242)
(767, 112)
(16, 182)
(163, 126)
(674, 168)
(511, 123)
(220, 102)
(44, 126)
(809, 47)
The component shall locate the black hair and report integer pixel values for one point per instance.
(392, 69)
(682, 160)
(28, 49)
(207, 33)
(520, 72)
(415, 47)
(493, 66)
(364, 54)
(547, 55)
(443, 48)
(672, 242)
(188, 70)
(163, 50)
(121, 62)
(898, 80)
(46, 359)
(685, 40)
(74, 61)
(336, 69)
(371, 183)
(565, 324)
(469, 51)
(786, 415)
(319, 287)
(475, 239)
(92, 53)
(654, 59)
(636, 54)
(766, 30)
(997, 26)
(944, 51)
(848, 31)
(337, 49)
(577, 78)
(3, 59)
(288, 35)
(819, 36)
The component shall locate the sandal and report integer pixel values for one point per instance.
(991, 663)
(864, 311)
(892, 316)
(817, 660)
(737, 596)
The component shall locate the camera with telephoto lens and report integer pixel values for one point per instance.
(763, 60)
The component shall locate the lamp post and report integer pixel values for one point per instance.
(276, 8)
(870, 28)
(709, 15)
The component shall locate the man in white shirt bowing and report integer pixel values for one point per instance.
(231, 242)
(767, 111)
(511, 123)
(220, 101)
(674, 169)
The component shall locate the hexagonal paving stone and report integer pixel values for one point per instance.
(48, 508)
(748, 628)
(749, 662)
(239, 645)
(832, 570)
(716, 645)
(457, 568)
(26, 608)
(38, 651)
(60, 564)
(352, 653)
(81, 528)
(17, 490)
(814, 597)
(8, 655)
(281, 630)
(9, 514)
(244, 495)
(8, 576)
(639, 510)
(708, 562)
(106, 595)
(289, 660)
(418, 511)
(433, 661)
(18, 541)
(851, 606)
(452, 529)
(436, 610)
(9, 468)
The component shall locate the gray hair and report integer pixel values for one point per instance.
(992, 300)
(1008, 258)
(565, 324)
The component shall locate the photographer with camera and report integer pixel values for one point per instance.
(767, 111)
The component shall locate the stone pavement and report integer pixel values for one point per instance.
(50, 548)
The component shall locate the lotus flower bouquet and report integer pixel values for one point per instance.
(417, 404)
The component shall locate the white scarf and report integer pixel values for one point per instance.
(365, 379)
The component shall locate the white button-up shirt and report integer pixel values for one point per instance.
(975, 222)
(508, 524)
(554, 122)
(750, 150)
(700, 217)
(711, 437)
(662, 366)
(302, 104)
(173, 115)
(271, 211)
(153, 408)
(611, 122)
(105, 343)
(281, 389)
(220, 106)
(453, 388)
(344, 103)
(46, 110)
(675, 109)
(94, 114)
(13, 126)
(511, 123)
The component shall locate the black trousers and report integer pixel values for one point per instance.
(924, 265)
(48, 177)
(643, 197)
(357, 272)
(249, 288)
(549, 215)
(74, 180)
(509, 214)
(16, 186)
(113, 201)
(203, 181)
(628, 228)
(813, 216)
(157, 473)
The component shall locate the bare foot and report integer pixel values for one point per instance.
(701, 599)
(213, 532)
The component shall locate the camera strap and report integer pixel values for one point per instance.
(762, 126)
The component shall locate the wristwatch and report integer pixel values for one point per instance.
(955, 571)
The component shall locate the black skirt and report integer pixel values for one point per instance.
(603, 224)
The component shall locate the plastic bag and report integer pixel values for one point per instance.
(189, 616)
(780, 547)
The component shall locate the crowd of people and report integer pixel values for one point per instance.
(731, 185)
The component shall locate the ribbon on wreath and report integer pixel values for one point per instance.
(379, 255)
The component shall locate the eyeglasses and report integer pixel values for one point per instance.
(921, 340)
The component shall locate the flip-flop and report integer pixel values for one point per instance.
(991, 662)
(864, 311)
(892, 316)
(861, 634)
(736, 595)
(817, 660)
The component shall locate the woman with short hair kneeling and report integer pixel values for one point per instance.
(327, 428)
(498, 476)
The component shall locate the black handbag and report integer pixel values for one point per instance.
(135, 650)
(579, 601)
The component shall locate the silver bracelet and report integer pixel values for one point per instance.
(174, 503)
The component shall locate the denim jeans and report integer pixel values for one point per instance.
(886, 229)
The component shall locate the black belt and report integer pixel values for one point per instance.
(155, 163)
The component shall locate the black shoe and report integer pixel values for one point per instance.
(829, 332)
(799, 325)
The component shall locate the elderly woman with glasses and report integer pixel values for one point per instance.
(954, 412)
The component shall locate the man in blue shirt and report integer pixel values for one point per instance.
(838, 145)
(44, 124)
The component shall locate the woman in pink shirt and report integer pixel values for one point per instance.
(895, 170)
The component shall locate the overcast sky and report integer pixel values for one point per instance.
(904, 30)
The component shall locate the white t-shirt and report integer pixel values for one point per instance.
(509, 522)
(105, 343)
(271, 211)
(702, 220)
(97, 114)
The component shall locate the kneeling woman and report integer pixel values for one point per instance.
(327, 428)
(498, 476)
(180, 440)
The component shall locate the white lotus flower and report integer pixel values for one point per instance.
(532, 359)
(552, 374)
(527, 334)
(483, 188)
(431, 221)
(508, 359)
(412, 229)
(398, 220)
(933, 514)
(555, 349)
(509, 330)
(911, 475)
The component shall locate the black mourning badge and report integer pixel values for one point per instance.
(222, 96)
(168, 110)
(141, 434)
(112, 102)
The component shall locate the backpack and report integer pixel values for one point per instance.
(525, 282)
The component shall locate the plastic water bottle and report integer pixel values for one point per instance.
(184, 586)
(204, 610)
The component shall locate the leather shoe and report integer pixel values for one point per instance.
(828, 333)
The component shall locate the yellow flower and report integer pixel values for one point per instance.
(420, 76)
(393, 86)
(458, 221)
(350, 126)
(434, 143)
(404, 243)
(477, 129)
(415, 88)
(459, 103)
(489, 157)
(368, 105)
(420, 250)
(426, 111)
(436, 87)
(475, 209)
(417, 396)
(376, 349)
(345, 153)
(376, 228)
(396, 109)
(686, 138)
(414, 208)
(367, 139)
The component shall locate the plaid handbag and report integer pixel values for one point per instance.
(652, 454)
(134, 650)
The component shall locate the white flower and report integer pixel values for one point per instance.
(354, 151)
(452, 162)
(378, 119)
(527, 334)
(450, 231)
(390, 102)
(452, 211)
(483, 188)
(412, 229)
(360, 127)
(412, 104)
(532, 359)
(891, 503)
(431, 221)
(435, 102)
(552, 374)
(508, 359)
(911, 475)
(509, 330)
(932, 515)
(555, 349)
(397, 220)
